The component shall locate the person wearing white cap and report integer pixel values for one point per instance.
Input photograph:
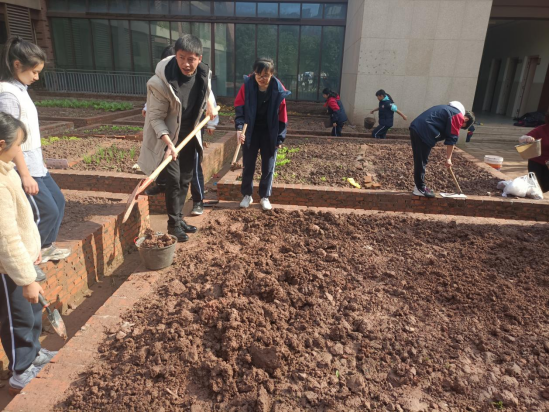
(439, 123)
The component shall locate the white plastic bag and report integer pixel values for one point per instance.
(503, 184)
(518, 187)
(534, 189)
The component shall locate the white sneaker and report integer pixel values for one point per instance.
(54, 253)
(19, 380)
(43, 357)
(265, 204)
(247, 201)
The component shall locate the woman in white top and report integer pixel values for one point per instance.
(20, 312)
(20, 65)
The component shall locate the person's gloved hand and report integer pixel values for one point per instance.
(527, 139)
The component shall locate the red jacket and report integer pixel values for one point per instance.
(541, 132)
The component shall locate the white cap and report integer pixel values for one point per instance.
(458, 106)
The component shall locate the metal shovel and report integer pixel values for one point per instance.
(54, 317)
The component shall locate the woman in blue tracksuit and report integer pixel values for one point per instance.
(338, 117)
(387, 109)
(261, 104)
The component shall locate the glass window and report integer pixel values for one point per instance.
(267, 10)
(180, 8)
(78, 6)
(335, 11)
(224, 59)
(333, 38)
(118, 6)
(178, 29)
(311, 11)
(309, 59)
(139, 6)
(289, 10)
(121, 44)
(266, 41)
(58, 5)
(140, 46)
(204, 32)
(200, 8)
(224, 8)
(159, 7)
(287, 61)
(62, 43)
(160, 39)
(102, 49)
(82, 40)
(245, 51)
(99, 6)
(244, 9)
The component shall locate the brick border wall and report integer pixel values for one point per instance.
(216, 155)
(55, 128)
(85, 121)
(93, 257)
(228, 188)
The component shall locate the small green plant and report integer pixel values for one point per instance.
(294, 150)
(132, 153)
(87, 159)
(283, 162)
(275, 175)
(337, 374)
(52, 139)
(323, 179)
(498, 405)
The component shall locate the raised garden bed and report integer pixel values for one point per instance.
(329, 162)
(340, 313)
(111, 130)
(82, 207)
(83, 113)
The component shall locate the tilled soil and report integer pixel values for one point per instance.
(291, 311)
(111, 130)
(327, 162)
(73, 149)
(80, 208)
(124, 165)
(156, 240)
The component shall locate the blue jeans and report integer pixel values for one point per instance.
(48, 206)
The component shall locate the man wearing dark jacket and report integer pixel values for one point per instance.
(434, 125)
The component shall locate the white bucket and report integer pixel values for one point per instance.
(495, 161)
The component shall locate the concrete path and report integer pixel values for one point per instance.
(497, 136)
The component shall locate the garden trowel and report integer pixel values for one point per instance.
(54, 317)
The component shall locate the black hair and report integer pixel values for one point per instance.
(189, 43)
(382, 92)
(29, 54)
(264, 63)
(329, 92)
(467, 124)
(9, 126)
(167, 52)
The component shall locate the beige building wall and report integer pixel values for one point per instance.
(421, 52)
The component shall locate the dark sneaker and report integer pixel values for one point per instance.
(155, 190)
(198, 208)
(188, 228)
(178, 232)
(425, 192)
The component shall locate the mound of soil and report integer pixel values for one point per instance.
(156, 241)
(291, 311)
(326, 162)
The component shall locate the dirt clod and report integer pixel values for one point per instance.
(156, 240)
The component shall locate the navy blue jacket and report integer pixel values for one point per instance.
(246, 110)
(438, 123)
(336, 110)
(386, 114)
